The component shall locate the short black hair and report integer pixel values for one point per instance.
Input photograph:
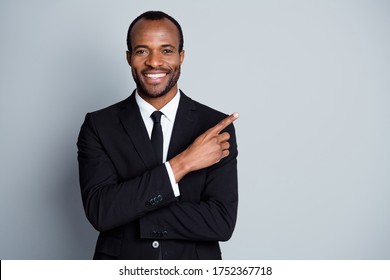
(155, 15)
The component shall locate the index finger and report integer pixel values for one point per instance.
(225, 122)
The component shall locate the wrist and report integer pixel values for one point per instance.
(180, 166)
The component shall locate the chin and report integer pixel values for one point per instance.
(154, 94)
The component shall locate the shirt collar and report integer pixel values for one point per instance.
(169, 110)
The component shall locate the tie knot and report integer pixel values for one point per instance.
(156, 116)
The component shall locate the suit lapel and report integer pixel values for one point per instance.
(133, 123)
(184, 126)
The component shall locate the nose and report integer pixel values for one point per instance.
(154, 60)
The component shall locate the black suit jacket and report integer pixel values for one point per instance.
(127, 194)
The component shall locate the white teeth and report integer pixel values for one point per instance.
(156, 76)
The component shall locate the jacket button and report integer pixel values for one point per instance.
(155, 244)
(160, 198)
(156, 201)
(165, 233)
(152, 202)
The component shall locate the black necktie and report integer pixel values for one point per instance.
(157, 135)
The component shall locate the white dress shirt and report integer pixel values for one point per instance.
(167, 121)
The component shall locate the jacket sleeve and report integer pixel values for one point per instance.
(213, 218)
(108, 202)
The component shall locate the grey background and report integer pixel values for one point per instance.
(310, 79)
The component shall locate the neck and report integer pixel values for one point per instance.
(159, 102)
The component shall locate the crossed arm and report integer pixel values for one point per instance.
(111, 203)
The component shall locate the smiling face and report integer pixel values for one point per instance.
(155, 59)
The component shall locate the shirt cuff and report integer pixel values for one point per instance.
(175, 186)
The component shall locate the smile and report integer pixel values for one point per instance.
(155, 76)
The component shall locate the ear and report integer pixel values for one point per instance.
(181, 56)
(128, 57)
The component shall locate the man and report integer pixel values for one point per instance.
(158, 185)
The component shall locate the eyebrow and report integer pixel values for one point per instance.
(168, 46)
(163, 46)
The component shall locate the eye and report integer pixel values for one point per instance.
(167, 51)
(140, 51)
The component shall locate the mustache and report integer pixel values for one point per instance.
(162, 69)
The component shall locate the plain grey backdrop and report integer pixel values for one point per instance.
(311, 80)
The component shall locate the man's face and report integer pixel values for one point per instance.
(154, 58)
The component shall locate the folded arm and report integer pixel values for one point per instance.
(110, 202)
